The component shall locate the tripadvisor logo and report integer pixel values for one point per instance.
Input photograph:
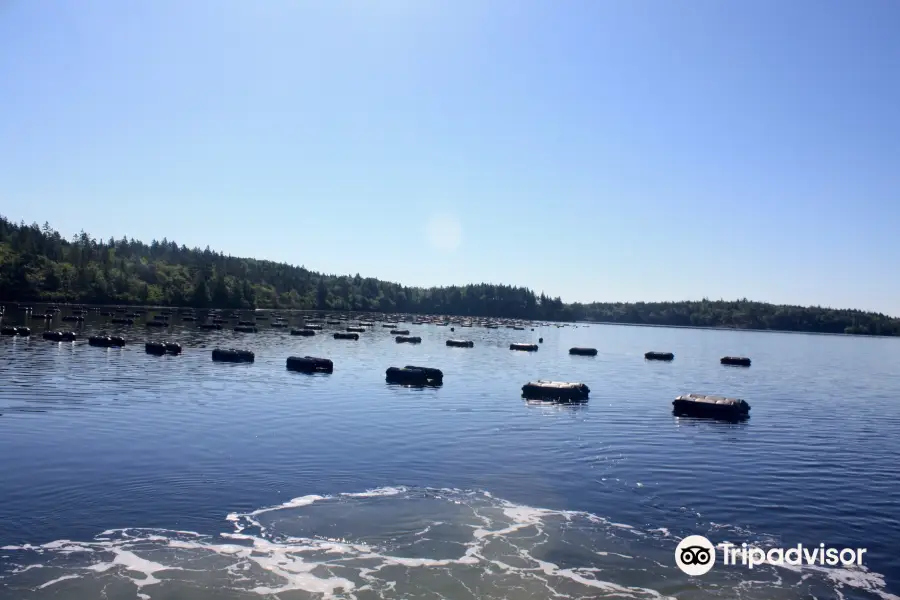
(695, 555)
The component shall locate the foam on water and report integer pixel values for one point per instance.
(402, 542)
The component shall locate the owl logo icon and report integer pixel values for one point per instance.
(695, 555)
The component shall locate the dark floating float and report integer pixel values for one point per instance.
(106, 341)
(73, 318)
(340, 335)
(247, 323)
(232, 355)
(540, 340)
(659, 356)
(524, 347)
(122, 321)
(736, 361)
(356, 329)
(160, 348)
(556, 391)
(60, 336)
(245, 329)
(389, 325)
(279, 325)
(188, 318)
(157, 324)
(399, 331)
(461, 343)
(406, 339)
(332, 322)
(310, 364)
(714, 407)
(583, 351)
(209, 326)
(304, 332)
(415, 376)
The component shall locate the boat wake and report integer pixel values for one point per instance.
(402, 543)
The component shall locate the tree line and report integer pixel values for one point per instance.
(38, 265)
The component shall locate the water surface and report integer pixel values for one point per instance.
(131, 475)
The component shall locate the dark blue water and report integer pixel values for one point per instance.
(180, 454)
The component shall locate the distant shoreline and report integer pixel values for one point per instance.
(39, 264)
(156, 307)
(748, 329)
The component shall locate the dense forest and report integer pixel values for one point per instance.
(38, 264)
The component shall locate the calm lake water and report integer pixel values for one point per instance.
(125, 475)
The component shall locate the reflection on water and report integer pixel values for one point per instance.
(172, 456)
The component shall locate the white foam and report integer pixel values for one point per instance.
(294, 503)
(607, 586)
(859, 578)
(342, 567)
(18, 570)
(383, 491)
(134, 563)
(57, 580)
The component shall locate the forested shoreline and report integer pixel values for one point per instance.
(38, 265)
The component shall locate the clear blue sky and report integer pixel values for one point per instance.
(597, 150)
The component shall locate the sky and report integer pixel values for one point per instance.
(608, 150)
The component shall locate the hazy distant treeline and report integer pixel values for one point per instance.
(37, 264)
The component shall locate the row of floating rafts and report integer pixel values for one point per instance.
(697, 405)
(221, 318)
(408, 375)
(18, 331)
(60, 336)
(687, 405)
(352, 333)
